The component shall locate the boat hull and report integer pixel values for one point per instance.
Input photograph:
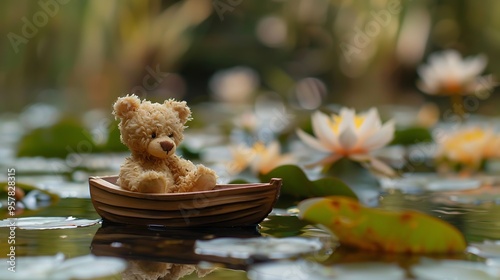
(232, 205)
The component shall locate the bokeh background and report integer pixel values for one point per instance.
(81, 55)
(65, 62)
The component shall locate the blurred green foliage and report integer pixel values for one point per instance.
(65, 137)
(113, 143)
(411, 136)
(86, 53)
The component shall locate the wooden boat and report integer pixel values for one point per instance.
(231, 205)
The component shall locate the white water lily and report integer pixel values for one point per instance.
(241, 158)
(260, 158)
(269, 157)
(468, 147)
(351, 136)
(447, 73)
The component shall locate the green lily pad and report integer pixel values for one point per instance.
(59, 267)
(114, 144)
(296, 184)
(382, 230)
(65, 137)
(411, 136)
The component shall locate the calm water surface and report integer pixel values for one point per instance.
(160, 248)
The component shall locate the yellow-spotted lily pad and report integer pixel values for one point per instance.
(382, 230)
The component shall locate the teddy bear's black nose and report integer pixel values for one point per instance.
(166, 145)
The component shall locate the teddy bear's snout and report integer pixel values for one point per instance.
(166, 146)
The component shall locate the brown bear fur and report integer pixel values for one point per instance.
(152, 132)
(148, 270)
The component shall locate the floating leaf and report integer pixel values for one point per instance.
(411, 136)
(286, 270)
(382, 230)
(453, 269)
(65, 137)
(430, 182)
(57, 267)
(269, 247)
(47, 222)
(89, 267)
(487, 249)
(113, 143)
(282, 226)
(296, 183)
(290, 270)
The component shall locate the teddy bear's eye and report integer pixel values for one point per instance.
(171, 135)
(153, 135)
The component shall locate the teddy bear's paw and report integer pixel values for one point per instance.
(152, 182)
(206, 179)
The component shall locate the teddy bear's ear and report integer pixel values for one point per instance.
(124, 105)
(181, 108)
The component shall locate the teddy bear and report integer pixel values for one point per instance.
(152, 132)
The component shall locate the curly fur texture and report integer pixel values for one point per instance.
(152, 132)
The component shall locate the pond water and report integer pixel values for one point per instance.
(152, 249)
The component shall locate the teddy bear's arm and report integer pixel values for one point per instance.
(129, 174)
(180, 167)
(190, 177)
(134, 177)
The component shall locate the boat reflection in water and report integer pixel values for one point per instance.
(164, 253)
(138, 269)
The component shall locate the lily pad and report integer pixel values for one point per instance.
(269, 247)
(487, 249)
(382, 230)
(411, 136)
(289, 270)
(296, 183)
(89, 267)
(113, 143)
(39, 223)
(65, 137)
(57, 267)
(453, 269)
(285, 270)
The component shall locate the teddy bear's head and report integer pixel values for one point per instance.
(151, 129)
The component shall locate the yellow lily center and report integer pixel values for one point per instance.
(259, 148)
(452, 87)
(337, 120)
(467, 137)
